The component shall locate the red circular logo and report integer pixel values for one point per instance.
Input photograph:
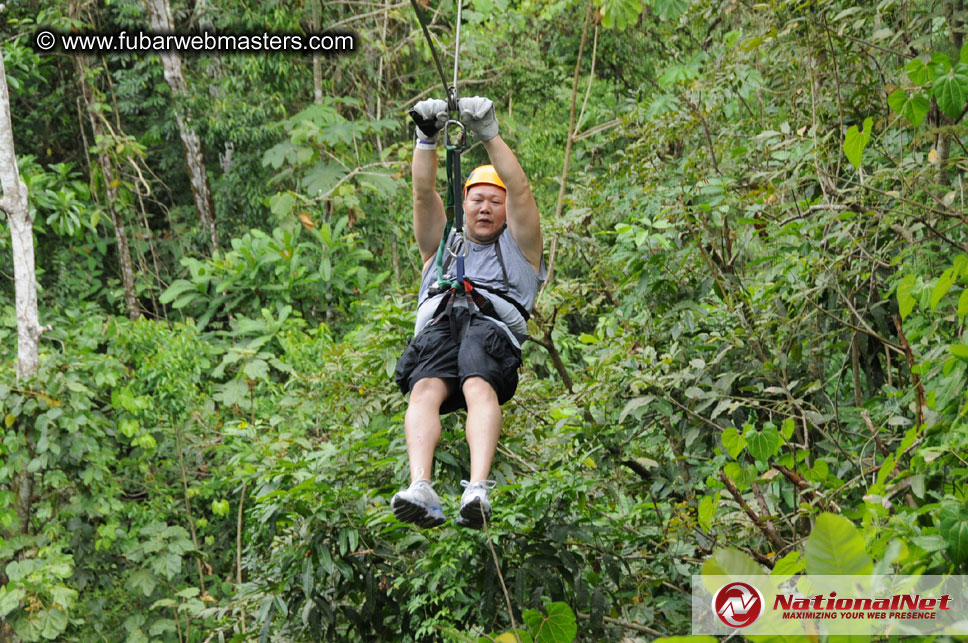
(738, 604)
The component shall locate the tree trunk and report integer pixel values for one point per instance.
(318, 64)
(954, 11)
(159, 13)
(111, 189)
(29, 330)
(14, 203)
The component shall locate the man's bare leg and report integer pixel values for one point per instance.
(422, 425)
(483, 425)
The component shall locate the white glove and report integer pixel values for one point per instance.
(429, 115)
(477, 113)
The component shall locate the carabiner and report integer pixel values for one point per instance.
(461, 138)
(461, 246)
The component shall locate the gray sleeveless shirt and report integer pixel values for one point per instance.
(483, 268)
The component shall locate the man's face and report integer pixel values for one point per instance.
(484, 212)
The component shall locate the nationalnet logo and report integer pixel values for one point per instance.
(856, 605)
(898, 606)
(738, 604)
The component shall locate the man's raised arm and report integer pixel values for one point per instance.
(522, 210)
(428, 208)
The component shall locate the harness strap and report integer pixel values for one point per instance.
(462, 283)
(500, 260)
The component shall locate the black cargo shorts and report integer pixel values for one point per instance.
(485, 352)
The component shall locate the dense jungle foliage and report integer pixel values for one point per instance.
(750, 354)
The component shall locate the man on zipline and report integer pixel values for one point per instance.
(467, 344)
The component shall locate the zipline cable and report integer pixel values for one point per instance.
(450, 92)
(454, 150)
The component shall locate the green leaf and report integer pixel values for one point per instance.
(730, 562)
(856, 141)
(129, 427)
(951, 89)
(557, 627)
(163, 626)
(178, 287)
(887, 468)
(905, 300)
(941, 288)
(788, 565)
(836, 547)
(137, 636)
(144, 580)
(743, 477)
(220, 507)
(696, 638)
(167, 564)
(508, 637)
(953, 527)
(733, 442)
(918, 73)
(707, 511)
(764, 444)
(959, 350)
(940, 64)
(10, 599)
(321, 178)
(281, 204)
(234, 392)
(619, 14)
(786, 429)
(669, 9)
(63, 595)
(963, 305)
(914, 107)
(257, 369)
(964, 54)
(53, 622)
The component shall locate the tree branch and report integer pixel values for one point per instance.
(764, 525)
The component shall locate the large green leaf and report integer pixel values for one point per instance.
(855, 141)
(167, 564)
(764, 444)
(905, 300)
(53, 623)
(918, 72)
(670, 9)
(788, 565)
(10, 599)
(733, 442)
(836, 547)
(707, 511)
(618, 14)
(143, 580)
(951, 90)
(914, 107)
(730, 562)
(941, 287)
(953, 526)
(557, 627)
(321, 178)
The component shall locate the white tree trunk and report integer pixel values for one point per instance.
(14, 203)
(159, 12)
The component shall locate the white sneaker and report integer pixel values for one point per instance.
(474, 507)
(418, 504)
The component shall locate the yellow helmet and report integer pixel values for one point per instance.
(484, 174)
